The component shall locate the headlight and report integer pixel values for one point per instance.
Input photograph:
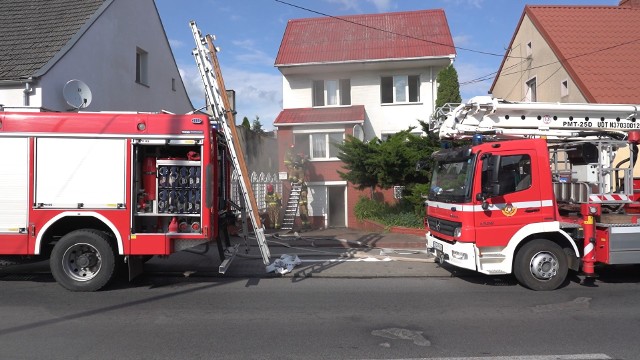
(457, 232)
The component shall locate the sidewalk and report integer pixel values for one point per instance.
(351, 238)
(331, 253)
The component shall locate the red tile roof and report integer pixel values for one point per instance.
(328, 115)
(598, 45)
(400, 35)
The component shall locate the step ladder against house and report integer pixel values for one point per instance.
(292, 206)
(216, 95)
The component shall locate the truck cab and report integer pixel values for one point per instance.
(489, 199)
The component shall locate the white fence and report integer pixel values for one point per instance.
(259, 184)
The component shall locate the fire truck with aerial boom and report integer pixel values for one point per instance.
(542, 188)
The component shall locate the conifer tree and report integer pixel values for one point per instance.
(448, 86)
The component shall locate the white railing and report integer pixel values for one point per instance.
(259, 184)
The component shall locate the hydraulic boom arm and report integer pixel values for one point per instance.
(500, 119)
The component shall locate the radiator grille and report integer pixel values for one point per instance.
(441, 226)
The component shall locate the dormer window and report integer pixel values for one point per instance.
(331, 92)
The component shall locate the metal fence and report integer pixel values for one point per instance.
(259, 184)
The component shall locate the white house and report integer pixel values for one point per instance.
(118, 48)
(364, 75)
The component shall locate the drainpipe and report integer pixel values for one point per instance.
(27, 92)
(434, 89)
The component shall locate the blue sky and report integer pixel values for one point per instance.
(249, 33)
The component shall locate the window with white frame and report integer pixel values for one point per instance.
(331, 92)
(142, 60)
(529, 49)
(325, 145)
(400, 89)
(531, 91)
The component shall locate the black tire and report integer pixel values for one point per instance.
(83, 260)
(541, 265)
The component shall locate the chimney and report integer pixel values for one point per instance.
(630, 3)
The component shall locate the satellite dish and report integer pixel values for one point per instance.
(358, 132)
(77, 94)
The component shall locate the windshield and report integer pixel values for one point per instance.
(452, 180)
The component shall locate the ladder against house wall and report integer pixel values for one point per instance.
(216, 94)
(292, 206)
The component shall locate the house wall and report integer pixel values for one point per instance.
(392, 118)
(105, 59)
(519, 68)
(380, 119)
(13, 96)
(365, 90)
(316, 170)
(321, 174)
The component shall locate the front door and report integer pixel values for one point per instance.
(336, 206)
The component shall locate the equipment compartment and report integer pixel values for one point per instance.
(168, 188)
(178, 189)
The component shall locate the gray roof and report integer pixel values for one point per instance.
(34, 31)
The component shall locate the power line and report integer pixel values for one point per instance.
(387, 31)
(490, 75)
(562, 62)
(472, 81)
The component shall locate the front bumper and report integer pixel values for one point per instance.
(458, 254)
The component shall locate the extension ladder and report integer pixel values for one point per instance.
(292, 206)
(216, 95)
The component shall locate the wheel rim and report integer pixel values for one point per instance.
(81, 262)
(544, 265)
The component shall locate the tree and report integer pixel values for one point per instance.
(389, 163)
(386, 163)
(357, 157)
(245, 123)
(397, 159)
(448, 86)
(256, 126)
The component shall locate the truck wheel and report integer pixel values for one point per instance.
(83, 260)
(541, 265)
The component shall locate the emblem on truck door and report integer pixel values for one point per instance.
(509, 210)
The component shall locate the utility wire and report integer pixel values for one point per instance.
(387, 31)
(563, 62)
(478, 79)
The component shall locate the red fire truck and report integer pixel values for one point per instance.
(540, 190)
(91, 191)
(95, 190)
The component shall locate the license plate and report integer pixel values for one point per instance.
(437, 246)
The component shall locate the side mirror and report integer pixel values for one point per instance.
(490, 179)
(483, 197)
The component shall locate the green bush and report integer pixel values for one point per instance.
(401, 214)
(413, 196)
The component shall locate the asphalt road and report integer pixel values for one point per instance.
(202, 317)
